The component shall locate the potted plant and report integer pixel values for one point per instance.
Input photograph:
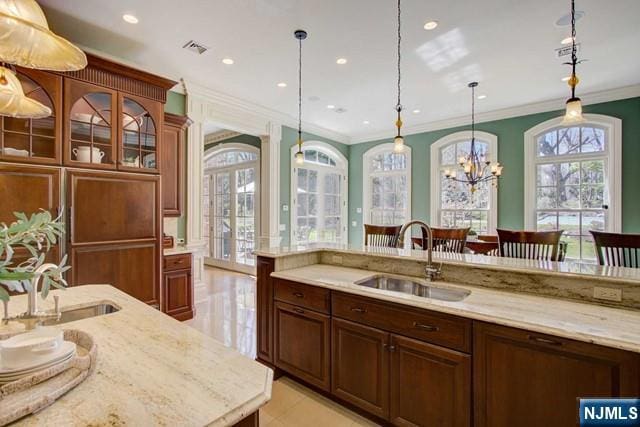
(35, 234)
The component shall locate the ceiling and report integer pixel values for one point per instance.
(508, 46)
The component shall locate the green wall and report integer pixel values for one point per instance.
(176, 104)
(510, 134)
(289, 139)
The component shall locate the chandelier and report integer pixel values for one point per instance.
(300, 35)
(398, 141)
(573, 113)
(477, 168)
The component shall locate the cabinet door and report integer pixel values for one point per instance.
(35, 140)
(140, 133)
(360, 366)
(430, 385)
(264, 297)
(529, 379)
(171, 157)
(302, 344)
(178, 294)
(90, 131)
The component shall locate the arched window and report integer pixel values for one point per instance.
(319, 195)
(573, 180)
(386, 185)
(452, 203)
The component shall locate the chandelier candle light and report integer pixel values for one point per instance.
(300, 35)
(476, 167)
(573, 112)
(398, 141)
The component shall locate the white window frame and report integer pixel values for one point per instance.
(342, 167)
(366, 173)
(613, 180)
(436, 168)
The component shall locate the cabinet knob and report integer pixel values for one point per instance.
(298, 310)
(389, 347)
(298, 295)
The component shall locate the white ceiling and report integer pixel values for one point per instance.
(507, 45)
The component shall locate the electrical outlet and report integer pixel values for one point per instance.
(354, 223)
(180, 241)
(285, 208)
(609, 294)
(359, 210)
(336, 259)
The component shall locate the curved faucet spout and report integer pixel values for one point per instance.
(432, 273)
(32, 308)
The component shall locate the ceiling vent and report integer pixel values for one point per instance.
(340, 110)
(195, 47)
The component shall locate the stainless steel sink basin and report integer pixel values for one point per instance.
(82, 313)
(410, 287)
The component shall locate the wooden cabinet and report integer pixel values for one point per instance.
(140, 133)
(430, 385)
(264, 301)
(35, 140)
(360, 366)
(172, 162)
(311, 297)
(530, 379)
(302, 344)
(177, 287)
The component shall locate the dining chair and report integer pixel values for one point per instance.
(445, 239)
(382, 235)
(617, 249)
(540, 245)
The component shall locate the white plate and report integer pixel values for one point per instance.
(67, 349)
(16, 377)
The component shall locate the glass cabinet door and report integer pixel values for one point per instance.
(34, 140)
(139, 143)
(90, 128)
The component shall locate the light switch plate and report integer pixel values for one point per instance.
(359, 210)
(285, 208)
(283, 227)
(354, 223)
(609, 294)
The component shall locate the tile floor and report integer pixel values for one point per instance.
(225, 310)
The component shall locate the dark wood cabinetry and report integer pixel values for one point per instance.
(264, 301)
(302, 343)
(529, 379)
(172, 162)
(177, 287)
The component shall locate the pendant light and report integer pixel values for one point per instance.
(573, 113)
(28, 42)
(475, 166)
(300, 35)
(398, 141)
(13, 101)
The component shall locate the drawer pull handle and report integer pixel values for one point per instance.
(298, 295)
(544, 340)
(180, 261)
(358, 310)
(428, 328)
(298, 310)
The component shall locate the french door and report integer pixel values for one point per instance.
(231, 216)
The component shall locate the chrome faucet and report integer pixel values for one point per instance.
(32, 317)
(432, 272)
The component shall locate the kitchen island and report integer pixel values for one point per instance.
(151, 369)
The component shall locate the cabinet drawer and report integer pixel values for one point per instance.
(437, 328)
(306, 296)
(177, 262)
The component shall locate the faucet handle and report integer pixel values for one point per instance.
(56, 300)
(5, 317)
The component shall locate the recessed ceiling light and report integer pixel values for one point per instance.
(482, 96)
(566, 79)
(331, 107)
(341, 61)
(282, 84)
(431, 25)
(227, 61)
(567, 40)
(131, 19)
(416, 111)
(366, 122)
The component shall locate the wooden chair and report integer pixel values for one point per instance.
(617, 249)
(382, 235)
(445, 239)
(540, 245)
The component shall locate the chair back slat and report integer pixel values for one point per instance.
(451, 240)
(617, 249)
(382, 235)
(540, 245)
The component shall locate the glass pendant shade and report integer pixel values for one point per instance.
(398, 144)
(573, 114)
(14, 103)
(299, 158)
(28, 42)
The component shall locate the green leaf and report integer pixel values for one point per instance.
(4, 295)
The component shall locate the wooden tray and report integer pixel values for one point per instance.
(39, 390)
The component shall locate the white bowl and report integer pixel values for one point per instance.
(30, 348)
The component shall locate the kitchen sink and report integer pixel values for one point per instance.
(82, 313)
(410, 287)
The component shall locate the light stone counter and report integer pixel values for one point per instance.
(152, 370)
(607, 326)
(177, 250)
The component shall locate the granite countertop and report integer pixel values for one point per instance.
(596, 324)
(576, 269)
(177, 250)
(151, 370)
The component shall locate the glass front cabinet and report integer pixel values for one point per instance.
(107, 129)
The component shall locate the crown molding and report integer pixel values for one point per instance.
(220, 135)
(625, 92)
(239, 107)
